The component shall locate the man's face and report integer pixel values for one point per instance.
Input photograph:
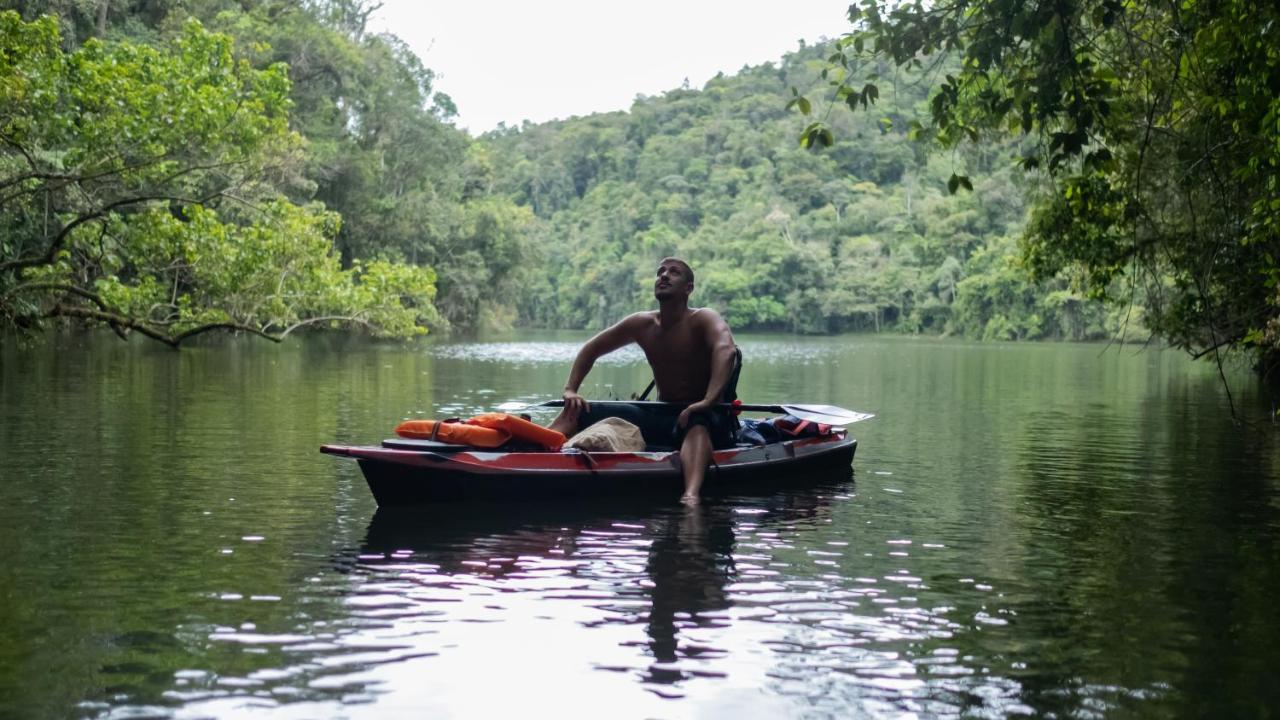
(672, 281)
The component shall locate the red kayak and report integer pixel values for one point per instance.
(405, 472)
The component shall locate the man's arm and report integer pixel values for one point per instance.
(720, 340)
(623, 332)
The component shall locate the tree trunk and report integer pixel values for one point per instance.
(102, 17)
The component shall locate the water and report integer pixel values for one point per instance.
(1028, 530)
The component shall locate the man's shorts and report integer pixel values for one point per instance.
(658, 424)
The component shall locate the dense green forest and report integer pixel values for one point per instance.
(861, 236)
(175, 166)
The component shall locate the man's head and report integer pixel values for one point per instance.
(674, 280)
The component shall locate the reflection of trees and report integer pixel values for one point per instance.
(1151, 559)
(148, 464)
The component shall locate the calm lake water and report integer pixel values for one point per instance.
(1044, 529)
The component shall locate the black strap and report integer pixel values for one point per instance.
(647, 390)
(730, 391)
(435, 429)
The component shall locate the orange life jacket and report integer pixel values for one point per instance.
(520, 428)
(483, 431)
(452, 432)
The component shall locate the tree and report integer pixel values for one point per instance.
(1152, 126)
(133, 193)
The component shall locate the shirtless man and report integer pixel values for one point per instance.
(693, 358)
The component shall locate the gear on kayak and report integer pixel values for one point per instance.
(490, 430)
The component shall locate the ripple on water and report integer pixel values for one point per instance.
(563, 353)
(529, 353)
(666, 601)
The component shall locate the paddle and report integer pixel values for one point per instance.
(826, 414)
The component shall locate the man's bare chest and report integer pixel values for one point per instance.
(673, 343)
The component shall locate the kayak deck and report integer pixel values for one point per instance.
(401, 474)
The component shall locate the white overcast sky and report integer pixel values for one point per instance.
(511, 61)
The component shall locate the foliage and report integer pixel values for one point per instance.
(132, 193)
(1154, 126)
(863, 236)
(558, 224)
(381, 152)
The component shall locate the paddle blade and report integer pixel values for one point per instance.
(827, 414)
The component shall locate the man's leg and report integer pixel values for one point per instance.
(695, 455)
(566, 423)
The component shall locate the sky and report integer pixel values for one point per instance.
(512, 61)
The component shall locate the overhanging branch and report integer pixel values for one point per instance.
(85, 313)
(187, 334)
(329, 318)
(48, 257)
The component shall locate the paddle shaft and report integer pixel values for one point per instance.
(817, 413)
(658, 403)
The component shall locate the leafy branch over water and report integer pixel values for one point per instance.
(133, 192)
(1153, 127)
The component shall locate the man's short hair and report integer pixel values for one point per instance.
(687, 270)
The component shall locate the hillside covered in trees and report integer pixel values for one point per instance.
(860, 236)
(257, 165)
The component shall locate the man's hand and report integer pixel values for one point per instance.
(700, 406)
(574, 404)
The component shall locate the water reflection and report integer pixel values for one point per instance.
(664, 568)
(667, 569)
(1166, 505)
(1035, 530)
(768, 602)
(690, 566)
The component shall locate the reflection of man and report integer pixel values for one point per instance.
(690, 567)
(694, 361)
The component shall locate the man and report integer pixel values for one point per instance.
(694, 361)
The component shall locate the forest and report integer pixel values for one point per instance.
(171, 167)
(861, 236)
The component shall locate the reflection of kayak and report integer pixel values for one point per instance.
(416, 472)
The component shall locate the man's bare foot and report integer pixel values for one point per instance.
(689, 500)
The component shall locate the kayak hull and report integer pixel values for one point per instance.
(400, 477)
